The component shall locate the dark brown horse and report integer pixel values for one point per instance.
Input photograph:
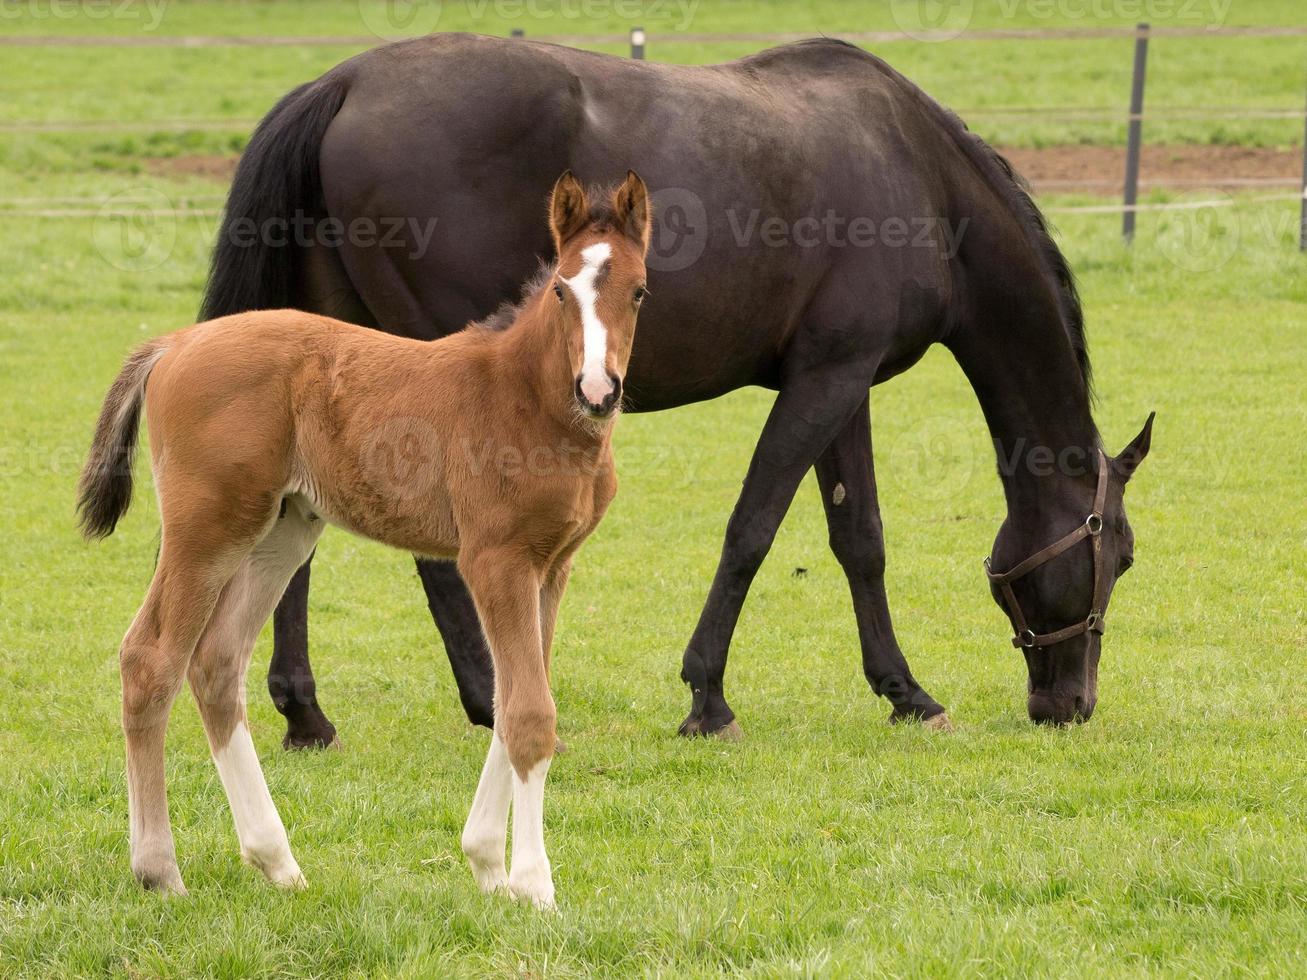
(820, 223)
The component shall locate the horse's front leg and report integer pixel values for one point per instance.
(506, 588)
(812, 406)
(846, 475)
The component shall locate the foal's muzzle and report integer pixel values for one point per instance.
(599, 404)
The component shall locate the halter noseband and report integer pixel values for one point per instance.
(1092, 528)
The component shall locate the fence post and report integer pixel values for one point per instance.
(1135, 133)
(1302, 221)
(637, 43)
(517, 32)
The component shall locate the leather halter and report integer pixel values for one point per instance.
(1092, 528)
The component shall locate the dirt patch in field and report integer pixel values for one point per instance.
(1101, 169)
(1051, 169)
(216, 167)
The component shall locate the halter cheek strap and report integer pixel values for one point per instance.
(1092, 528)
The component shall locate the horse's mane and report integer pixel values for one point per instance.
(1073, 314)
(1016, 192)
(602, 219)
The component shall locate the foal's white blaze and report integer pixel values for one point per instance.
(530, 877)
(485, 834)
(258, 825)
(595, 383)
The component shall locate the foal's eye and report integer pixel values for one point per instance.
(640, 293)
(558, 291)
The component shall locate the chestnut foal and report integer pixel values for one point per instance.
(491, 446)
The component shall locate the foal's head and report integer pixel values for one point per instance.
(599, 284)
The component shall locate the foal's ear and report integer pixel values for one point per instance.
(631, 205)
(1133, 454)
(569, 211)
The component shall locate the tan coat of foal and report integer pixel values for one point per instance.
(491, 446)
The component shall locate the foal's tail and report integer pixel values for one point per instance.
(105, 490)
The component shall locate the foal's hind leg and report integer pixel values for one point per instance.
(217, 678)
(153, 661)
(847, 478)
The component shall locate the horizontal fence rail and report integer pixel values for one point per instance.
(672, 37)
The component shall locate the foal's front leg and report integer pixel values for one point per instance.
(506, 588)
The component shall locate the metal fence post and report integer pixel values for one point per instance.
(1135, 133)
(1302, 222)
(637, 43)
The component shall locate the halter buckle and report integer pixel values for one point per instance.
(1027, 638)
(1093, 621)
(1094, 524)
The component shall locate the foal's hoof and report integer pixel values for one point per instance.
(535, 887)
(728, 732)
(164, 880)
(282, 870)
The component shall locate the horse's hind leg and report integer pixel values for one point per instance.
(846, 475)
(217, 678)
(322, 286)
(153, 661)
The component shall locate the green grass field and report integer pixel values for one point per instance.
(1167, 837)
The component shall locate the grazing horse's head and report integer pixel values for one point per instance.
(1052, 572)
(600, 283)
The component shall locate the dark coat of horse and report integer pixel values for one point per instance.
(821, 222)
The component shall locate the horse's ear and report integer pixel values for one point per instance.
(1133, 454)
(631, 204)
(569, 211)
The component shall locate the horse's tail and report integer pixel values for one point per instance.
(105, 490)
(278, 179)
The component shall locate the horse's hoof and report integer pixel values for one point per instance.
(730, 733)
(696, 727)
(295, 741)
(938, 723)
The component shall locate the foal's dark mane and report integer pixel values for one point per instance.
(602, 219)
